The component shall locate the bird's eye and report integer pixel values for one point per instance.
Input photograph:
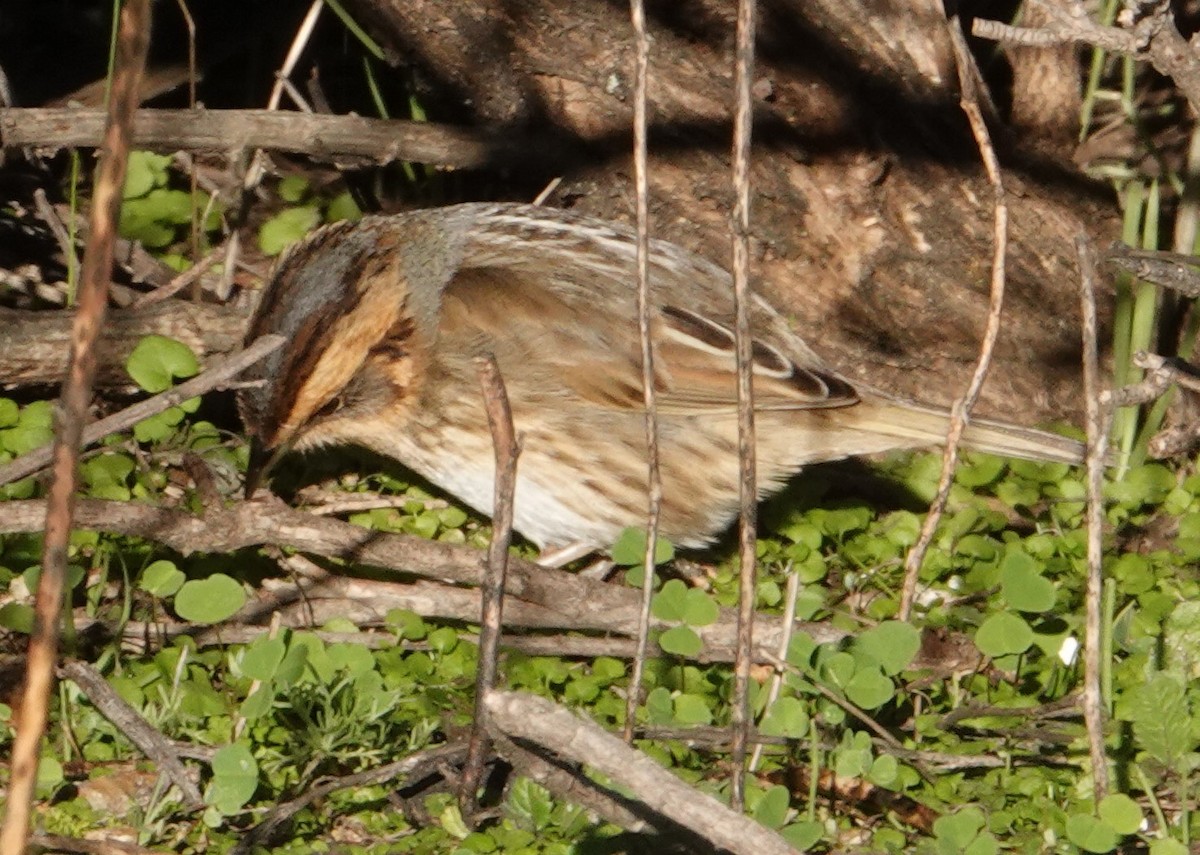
(330, 407)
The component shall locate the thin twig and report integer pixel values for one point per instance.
(1161, 374)
(649, 395)
(198, 217)
(178, 283)
(1099, 417)
(747, 464)
(789, 618)
(65, 245)
(506, 448)
(321, 137)
(968, 100)
(1149, 33)
(572, 785)
(83, 846)
(132, 43)
(854, 710)
(544, 194)
(256, 169)
(413, 766)
(221, 371)
(133, 727)
(295, 49)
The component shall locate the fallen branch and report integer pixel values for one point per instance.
(577, 602)
(34, 344)
(521, 716)
(321, 136)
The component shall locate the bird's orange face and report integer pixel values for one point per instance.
(351, 337)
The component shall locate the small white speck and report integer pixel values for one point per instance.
(1069, 650)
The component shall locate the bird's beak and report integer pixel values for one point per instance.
(262, 461)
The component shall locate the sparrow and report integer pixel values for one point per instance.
(385, 317)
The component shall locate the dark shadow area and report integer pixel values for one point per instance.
(240, 44)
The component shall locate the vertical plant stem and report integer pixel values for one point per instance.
(1098, 424)
(968, 81)
(654, 476)
(740, 717)
(491, 590)
(70, 417)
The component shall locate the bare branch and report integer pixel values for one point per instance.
(323, 137)
(1150, 35)
(968, 80)
(522, 716)
(134, 728)
(576, 602)
(1099, 422)
(506, 448)
(649, 395)
(744, 336)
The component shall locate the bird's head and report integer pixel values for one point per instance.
(354, 327)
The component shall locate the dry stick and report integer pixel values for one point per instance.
(967, 77)
(570, 785)
(885, 738)
(141, 637)
(506, 448)
(1098, 418)
(317, 500)
(417, 764)
(1160, 374)
(1154, 37)
(522, 716)
(747, 464)
(1174, 270)
(197, 217)
(221, 371)
(77, 846)
(320, 136)
(132, 42)
(50, 217)
(177, 284)
(649, 395)
(789, 618)
(133, 727)
(552, 599)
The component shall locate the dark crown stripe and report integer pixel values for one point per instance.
(313, 285)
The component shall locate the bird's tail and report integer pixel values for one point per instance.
(881, 424)
(1027, 443)
(925, 425)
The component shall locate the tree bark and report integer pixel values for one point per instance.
(34, 344)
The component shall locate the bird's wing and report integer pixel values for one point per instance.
(548, 332)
